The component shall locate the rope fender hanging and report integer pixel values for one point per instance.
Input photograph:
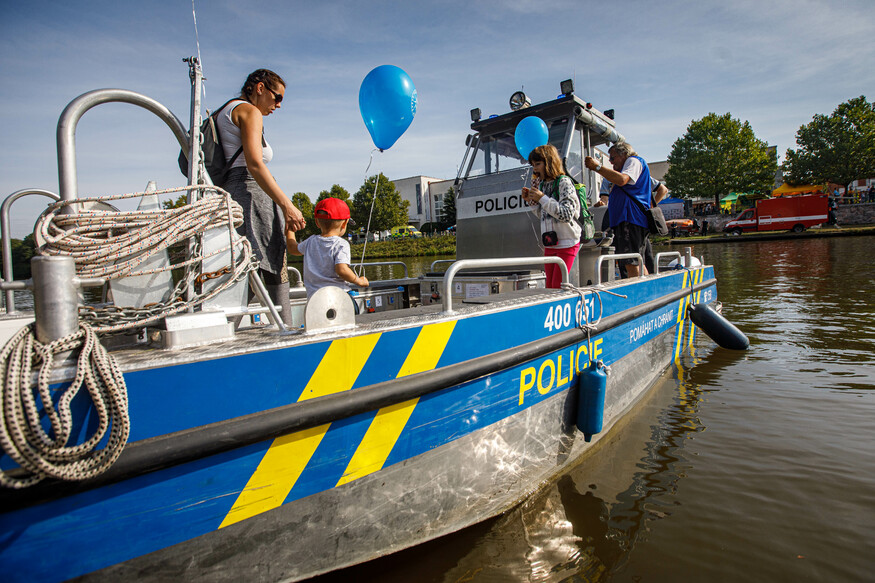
(42, 453)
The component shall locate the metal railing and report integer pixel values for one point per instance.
(447, 300)
(434, 263)
(663, 255)
(8, 276)
(603, 258)
(299, 281)
(74, 111)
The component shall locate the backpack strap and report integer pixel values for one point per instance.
(213, 119)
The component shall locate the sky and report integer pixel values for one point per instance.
(659, 65)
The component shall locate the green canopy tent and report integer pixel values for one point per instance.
(737, 200)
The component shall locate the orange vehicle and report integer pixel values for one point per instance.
(789, 213)
(684, 226)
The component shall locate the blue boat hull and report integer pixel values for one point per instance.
(282, 460)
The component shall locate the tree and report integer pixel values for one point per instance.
(718, 155)
(448, 213)
(839, 148)
(22, 252)
(390, 210)
(302, 201)
(180, 202)
(336, 191)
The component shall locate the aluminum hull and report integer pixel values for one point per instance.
(282, 460)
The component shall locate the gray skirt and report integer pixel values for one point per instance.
(263, 223)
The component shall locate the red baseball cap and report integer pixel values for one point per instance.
(331, 208)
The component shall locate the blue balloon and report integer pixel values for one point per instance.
(530, 133)
(387, 101)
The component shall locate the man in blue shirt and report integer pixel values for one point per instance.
(631, 179)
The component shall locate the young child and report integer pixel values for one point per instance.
(326, 256)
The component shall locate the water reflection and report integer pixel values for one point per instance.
(588, 522)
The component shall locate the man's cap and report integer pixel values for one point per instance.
(331, 208)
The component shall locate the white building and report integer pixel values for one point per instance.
(426, 197)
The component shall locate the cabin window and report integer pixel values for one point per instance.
(498, 153)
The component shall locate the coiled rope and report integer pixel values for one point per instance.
(110, 245)
(113, 244)
(45, 454)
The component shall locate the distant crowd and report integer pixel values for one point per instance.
(855, 196)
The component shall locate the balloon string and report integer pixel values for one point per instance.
(361, 267)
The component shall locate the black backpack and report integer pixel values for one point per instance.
(214, 154)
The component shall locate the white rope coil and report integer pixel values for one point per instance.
(111, 245)
(42, 453)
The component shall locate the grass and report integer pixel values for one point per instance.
(407, 247)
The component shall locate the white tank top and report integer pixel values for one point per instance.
(231, 137)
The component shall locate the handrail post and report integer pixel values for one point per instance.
(665, 254)
(8, 275)
(447, 299)
(603, 258)
(66, 132)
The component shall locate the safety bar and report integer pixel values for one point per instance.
(663, 255)
(378, 263)
(434, 263)
(66, 133)
(603, 258)
(447, 301)
(299, 281)
(8, 276)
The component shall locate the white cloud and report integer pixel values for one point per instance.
(659, 65)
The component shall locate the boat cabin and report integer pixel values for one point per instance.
(491, 217)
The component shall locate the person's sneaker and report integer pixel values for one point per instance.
(606, 241)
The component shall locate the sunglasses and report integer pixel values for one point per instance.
(276, 96)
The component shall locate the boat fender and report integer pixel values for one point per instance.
(718, 328)
(591, 399)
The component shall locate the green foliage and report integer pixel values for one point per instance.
(718, 155)
(302, 201)
(22, 252)
(336, 191)
(390, 210)
(448, 216)
(407, 247)
(839, 148)
(175, 204)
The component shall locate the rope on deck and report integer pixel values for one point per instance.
(43, 452)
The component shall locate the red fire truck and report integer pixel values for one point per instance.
(788, 213)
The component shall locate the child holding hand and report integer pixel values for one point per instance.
(326, 256)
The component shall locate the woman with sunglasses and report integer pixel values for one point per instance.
(266, 208)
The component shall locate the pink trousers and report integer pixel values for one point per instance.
(551, 270)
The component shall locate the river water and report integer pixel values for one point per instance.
(737, 466)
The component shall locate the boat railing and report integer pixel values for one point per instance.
(447, 300)
(66, 137)
(299, 281)
(665, 254)
(434, 264)
(76, 109)
(8, 275)
(612, 258)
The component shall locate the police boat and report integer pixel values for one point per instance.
(149, 437)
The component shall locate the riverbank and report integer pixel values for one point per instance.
(824, 231)
(395, 248)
